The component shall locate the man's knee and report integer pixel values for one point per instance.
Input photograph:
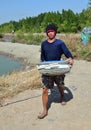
(45, 91)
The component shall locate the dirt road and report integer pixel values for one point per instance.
(21, 111)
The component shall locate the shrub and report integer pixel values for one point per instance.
(1, 35)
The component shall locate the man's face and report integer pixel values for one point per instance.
(51, 35)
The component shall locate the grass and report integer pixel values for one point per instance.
(16, 82)
(78, 50)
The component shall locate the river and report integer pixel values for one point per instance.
(8, 65)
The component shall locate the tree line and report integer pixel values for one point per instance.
(66, 21)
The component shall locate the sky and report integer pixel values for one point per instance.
(15, 10)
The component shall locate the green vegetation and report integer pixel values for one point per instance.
(30, 39)
(67, 21)
(1, 36)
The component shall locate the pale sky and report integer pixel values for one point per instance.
(18, 9)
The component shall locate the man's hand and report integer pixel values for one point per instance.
(70, 61)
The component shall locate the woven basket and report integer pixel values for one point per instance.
(54, 67)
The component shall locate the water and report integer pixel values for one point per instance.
(8, 65)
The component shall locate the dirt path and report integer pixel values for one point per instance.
(22, 111)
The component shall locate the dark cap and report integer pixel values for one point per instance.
(51, 27)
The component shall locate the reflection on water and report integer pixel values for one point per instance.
(8, 65)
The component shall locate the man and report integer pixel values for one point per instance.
(52, 49)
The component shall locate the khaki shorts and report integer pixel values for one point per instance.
(48, 81)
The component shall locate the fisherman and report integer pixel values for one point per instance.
(52, 49)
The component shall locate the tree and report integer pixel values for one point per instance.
(89, 3)
(66, 21)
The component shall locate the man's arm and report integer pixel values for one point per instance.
(68, 54)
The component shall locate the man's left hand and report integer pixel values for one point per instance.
(70, 61)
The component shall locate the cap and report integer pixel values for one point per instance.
(51, 27)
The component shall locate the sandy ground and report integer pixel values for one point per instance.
(29, 53)
(20, 112)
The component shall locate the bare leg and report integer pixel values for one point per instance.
(45, 102)
(45, 99)
(61, 90)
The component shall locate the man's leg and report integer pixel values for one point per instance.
(47, 83)
(44, 102)
(61, 90)
(60, 85)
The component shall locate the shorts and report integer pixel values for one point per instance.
(48, 81)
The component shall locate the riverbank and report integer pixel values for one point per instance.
(29, 55)
(18, 81)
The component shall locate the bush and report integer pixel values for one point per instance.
(13, 40)
(1, 35)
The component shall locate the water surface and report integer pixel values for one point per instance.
(8, 65)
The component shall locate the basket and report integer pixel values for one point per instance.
(54, 67)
